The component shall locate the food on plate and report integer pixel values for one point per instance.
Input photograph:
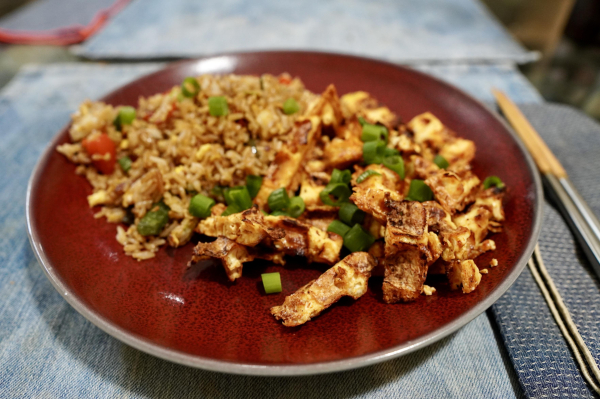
(272, 170)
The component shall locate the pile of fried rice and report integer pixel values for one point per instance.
(178, 150)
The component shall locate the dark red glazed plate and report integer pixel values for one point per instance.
(198, 318)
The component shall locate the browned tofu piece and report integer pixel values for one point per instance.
(348, 277)
(371, 195)
(408, 251)
(451, 191)
(285, 169)
(301, 239)
(356, 102)
(246, 228)
(459, 153)
(233, 255)
(463, 274)
(342, 153)
(328, 108)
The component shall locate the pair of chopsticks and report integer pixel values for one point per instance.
(582, 221)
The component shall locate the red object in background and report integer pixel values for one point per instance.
(62, 36)
(101, 144)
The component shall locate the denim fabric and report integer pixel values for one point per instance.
(541, 357)
(53, 14)
(395, 30)
(48, 350)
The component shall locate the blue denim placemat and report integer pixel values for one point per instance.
(48, 350)
(395, 30)
(542, 360)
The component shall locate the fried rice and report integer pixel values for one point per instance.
(178, 150)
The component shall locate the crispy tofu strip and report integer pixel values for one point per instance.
(246, 228)
(342, 153)
(285, 169)
(328, 108)
(232, 255)
(371, 195)
(348, 277)
(301, 239)
(452, 191)
(463, 274)
(408, 251)
(356, 102)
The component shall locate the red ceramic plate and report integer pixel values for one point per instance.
(198, 318)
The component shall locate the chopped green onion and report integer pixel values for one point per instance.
(240, 197)
(361, 120)
(125, 163)
(365, 175)
(357, 239)
(340, 176)
(350, 214)
(296, 207)
(253, 183)
(395, 163)
(290, 106)
(339, 191)
(226, 191)
(190, 87)
(200, 206)
(373, 152)
(217, 192)
(271, 282)
(126, 116)
(278, 200)
(374, 132)
(231, 209)
(493, 181)
(217, 106)
(338, 228)
(419, 191)
(279, 213)
(154, 220)
(441, 162)
(388, 152)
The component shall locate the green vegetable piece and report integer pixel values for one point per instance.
(190, 87)
(350, 214)
(240, 197)
(339, 191)
(217, 106)
(388, 152)
(154, 220)
(253, 184)
(290, 106)
(296, 207)
(441, 162)
(419, 191)
(365, 175)
(200, 206)
(271, 282)
(361, 120)
(340, 176)
(126, 116)
(231, 209)
(493, 181)
(279, 213)
(374, 132)
(395, 163)
(338, 228)
(373, 152)
(278, 200)
(357, 239)
(125, 163)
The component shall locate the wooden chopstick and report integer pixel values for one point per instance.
(543, 157)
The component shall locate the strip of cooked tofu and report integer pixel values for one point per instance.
(408, 252)
(452, 191)
(284, 171)
(371, 195)
(463, 274)
(349, 277)
(233, 255)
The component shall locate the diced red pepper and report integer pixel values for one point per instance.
(285, 79)
(101, 144)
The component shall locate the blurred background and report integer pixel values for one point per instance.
(564, 33)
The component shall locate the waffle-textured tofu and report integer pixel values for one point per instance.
(371, 194)
(349, 277)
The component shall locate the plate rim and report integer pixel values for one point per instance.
(224, 366)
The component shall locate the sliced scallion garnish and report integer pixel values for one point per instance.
(217, 106)
(271, 282)
(357, 239)
(296, 207)
(339, 191)
(493, 181)
(441, 162)
(365, 175)
(338, 227)
(290, 106)
(253, 183)
(350, 214)
(200, 206)
(419, 191)
(190, 87)
(395, 163)
(278, 200)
